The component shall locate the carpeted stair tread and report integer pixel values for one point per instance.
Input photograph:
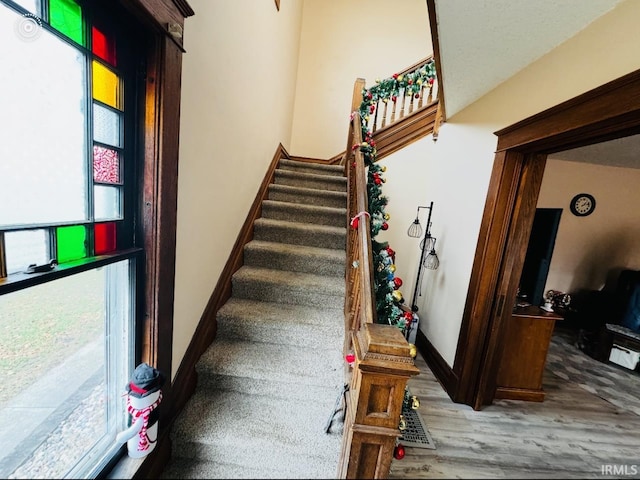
(298, 258)
(310, 180)
(185, 468)
(254, 320)
(297, 288)
(309, 196)
(324, 236)
(286, 364)
(266, 431)
(295, 212)
(308, 167)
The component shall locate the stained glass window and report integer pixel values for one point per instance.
(66, 17)
(106, 165)
(104, 238)
(106, 126)
(71, 243)
(106, 86)
(103, 46)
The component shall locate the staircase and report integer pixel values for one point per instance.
(269, 382)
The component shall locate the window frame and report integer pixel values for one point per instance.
(155, 229)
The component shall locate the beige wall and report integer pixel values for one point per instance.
(342, 40)
(588, 248)
(237, 105)
(454, 172)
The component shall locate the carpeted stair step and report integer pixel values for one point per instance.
(295, 258)
(187, 468)
(295, 212)
(310, 180)
(282, 437)
(315, 168)
(294, 288)
(309, 196)
(267, 369)
(268, 322)
(323, 236)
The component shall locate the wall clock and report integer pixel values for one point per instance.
(582, 204)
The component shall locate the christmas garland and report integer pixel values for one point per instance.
(388, 297)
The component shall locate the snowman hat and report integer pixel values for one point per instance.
(145, 381)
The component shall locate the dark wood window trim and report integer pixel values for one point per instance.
(607, 112)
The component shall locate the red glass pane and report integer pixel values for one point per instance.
(104, 238)
(106, 165)
(103, 46)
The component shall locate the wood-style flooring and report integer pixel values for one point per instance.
(574, 433)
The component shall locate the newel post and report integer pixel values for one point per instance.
(374, 403)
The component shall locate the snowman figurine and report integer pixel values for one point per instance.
(143, 398)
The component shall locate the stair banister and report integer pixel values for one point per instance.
(383, 364)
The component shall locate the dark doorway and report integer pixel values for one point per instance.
(539, 252)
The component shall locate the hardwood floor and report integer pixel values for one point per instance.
(574, 433)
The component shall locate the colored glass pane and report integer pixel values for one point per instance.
(106, 86)
(26, 247)
(71, 243)
(106, 201)
(106, 165)
(66, 17)
(104, 235)
(103, 46)
(106, 126)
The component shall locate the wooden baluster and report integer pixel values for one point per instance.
(393, 111)
(411, 102)
(430, 97)
(421, 95)
(404, 98)
(375, 118)
(384, 114)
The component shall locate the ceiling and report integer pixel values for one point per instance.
(482, 43)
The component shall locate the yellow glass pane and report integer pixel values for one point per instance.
(106, 86)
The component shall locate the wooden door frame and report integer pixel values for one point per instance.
(605, 113)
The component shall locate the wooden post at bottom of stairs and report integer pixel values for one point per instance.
(374, 402)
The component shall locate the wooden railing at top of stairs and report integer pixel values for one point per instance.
(378, 376)
(396, 124)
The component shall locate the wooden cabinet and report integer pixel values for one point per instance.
(526, 343)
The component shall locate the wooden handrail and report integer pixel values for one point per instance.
(377, 378)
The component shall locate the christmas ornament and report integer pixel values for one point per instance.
(403, 424)
(415, 403)
(385, 226)
(413, 351)
(387, 217)
(397, 295)
(392, 268)
(350, 358)
(398, 452)
(397, 282)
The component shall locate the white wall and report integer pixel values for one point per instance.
(455, 171)
(343, 40)
(588, 248)
(239, 76)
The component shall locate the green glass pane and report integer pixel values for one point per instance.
(71, 243)
(66, 17)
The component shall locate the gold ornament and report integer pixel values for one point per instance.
(415, 403)
(383, 168)
(392, 268)
(413, 351)
(397, 295)
(403, 423)
(387, 216)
